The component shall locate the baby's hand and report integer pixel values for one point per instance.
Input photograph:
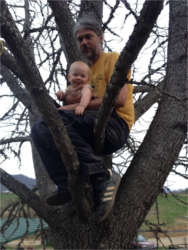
(79, 110)
(60, 95)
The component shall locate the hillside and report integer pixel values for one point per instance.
(29, 182)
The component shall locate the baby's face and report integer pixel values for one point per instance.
(78, 74)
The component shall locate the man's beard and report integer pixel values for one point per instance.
(91, 55)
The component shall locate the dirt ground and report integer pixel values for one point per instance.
(181, 241)
(177, 241)
(174, 238)
(28, 244)
(177, 238)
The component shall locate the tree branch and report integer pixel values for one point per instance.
(141, 106)
(65, 24)
(18, 91)
(35, 86)
(25, 194)
(148, 16)
(16, 139)
(94, 8)
(9, 61)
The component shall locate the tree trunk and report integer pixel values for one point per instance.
(148, 171)
(45, 186)
(44, 183)
(152, 163)
(94, 8)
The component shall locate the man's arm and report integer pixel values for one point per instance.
(69, 107)
(120, 101)
(60, 95)
(86, 95)
(96, 102)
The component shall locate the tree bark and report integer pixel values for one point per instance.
(146, 21)
(94, 8)
(34, 84)
(153, 161)
(65, 24)
(44, 183)
(143, 105)
(148, 171)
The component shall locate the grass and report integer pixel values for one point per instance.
(7, 198)
(39, 247)
(171, 217)
(29, 242)
(169, 209)
(171, 213)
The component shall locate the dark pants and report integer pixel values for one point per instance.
(80, 131)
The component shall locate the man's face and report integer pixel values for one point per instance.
(90, 44)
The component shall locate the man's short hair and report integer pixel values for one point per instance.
(88, 22)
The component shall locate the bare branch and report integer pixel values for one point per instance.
(65, 24)
(141, 106)
(15, 87)
(127, 5)
(113, 9)
(92, 8)
(25, 194)
(142, 30)
(35, 86)
(16, 139)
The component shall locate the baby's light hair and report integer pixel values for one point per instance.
(83, 63)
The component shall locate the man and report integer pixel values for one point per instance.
(80, 128)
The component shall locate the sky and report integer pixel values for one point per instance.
(13, 167)
(26, 168)
(173, 182)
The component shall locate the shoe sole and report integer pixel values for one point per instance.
(112, 198)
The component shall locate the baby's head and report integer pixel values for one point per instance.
(79, 72)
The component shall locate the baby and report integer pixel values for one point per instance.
(78, 95)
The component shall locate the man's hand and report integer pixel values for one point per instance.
(79, 110)
(68, 107)
(63, 108)
(60, 95)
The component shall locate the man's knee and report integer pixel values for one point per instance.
(39, 130)
(41, 135)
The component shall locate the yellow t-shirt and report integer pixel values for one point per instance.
(101, 73)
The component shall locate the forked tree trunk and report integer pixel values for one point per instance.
(45, 186)
(148, 171)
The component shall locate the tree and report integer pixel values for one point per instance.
(154, 158)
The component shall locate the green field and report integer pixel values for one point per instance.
(170, 208)
(6, 198)
(173, 214)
